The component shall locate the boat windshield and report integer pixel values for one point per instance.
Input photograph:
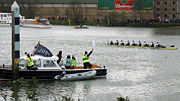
(28, 21)
(22, 63)
(43, 20)
(48, 63)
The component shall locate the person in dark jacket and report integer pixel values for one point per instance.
(111, 43)
(117, 42)
(86, 61)
(59, 57)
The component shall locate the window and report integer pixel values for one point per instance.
(158, 9)
(165, 9)
(174, 16)
(48, 63)
(22, 62)
(165, 16)
(174, 2)
(37, 63)
(158, 3)
(165, 3)
(173, 9)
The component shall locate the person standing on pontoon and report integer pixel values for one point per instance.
(59, 57)
(86, 61)
(73, 64)
(68, 62)
(29, 61)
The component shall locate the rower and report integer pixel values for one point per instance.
(145, 44)
(152, 44)
(122, 43)
(117, 42)
(128, 44)
(139, 44)
(111, 43)
(158, 45)
(133, 43)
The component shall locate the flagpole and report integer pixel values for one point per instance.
(35, 49)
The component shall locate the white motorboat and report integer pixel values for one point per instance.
(36, 23)
(46, 67)
(6, 19)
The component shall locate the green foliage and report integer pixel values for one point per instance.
(58, 22)
(30, 86)
(121, 23)
(65, 98)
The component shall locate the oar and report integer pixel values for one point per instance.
(171, 45)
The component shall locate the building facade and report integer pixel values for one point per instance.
(167, 9)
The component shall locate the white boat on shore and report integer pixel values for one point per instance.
(6, 19)
(36, 23)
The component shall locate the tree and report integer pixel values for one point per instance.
(76, 12)
(123, 17)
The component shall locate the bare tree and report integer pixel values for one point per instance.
(28, 8)
(77, 14)
(123, 17)
(5, 6)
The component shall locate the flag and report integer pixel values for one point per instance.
(93, 44)
(43, 51)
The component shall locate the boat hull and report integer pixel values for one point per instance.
(46, 74)
(36, 26)
(170, 48)
(77, 76)
(5, 24)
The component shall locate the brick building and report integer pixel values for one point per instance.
(167, 9)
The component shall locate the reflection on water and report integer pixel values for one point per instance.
(167, 31)
(140, 74)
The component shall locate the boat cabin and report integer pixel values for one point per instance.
(6, 18)
(41, 62)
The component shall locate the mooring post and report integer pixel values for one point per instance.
(15, 39)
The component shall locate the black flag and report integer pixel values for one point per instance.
(43, 51)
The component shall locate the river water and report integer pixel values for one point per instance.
(140, 74)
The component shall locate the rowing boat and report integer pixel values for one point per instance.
(163, 48)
